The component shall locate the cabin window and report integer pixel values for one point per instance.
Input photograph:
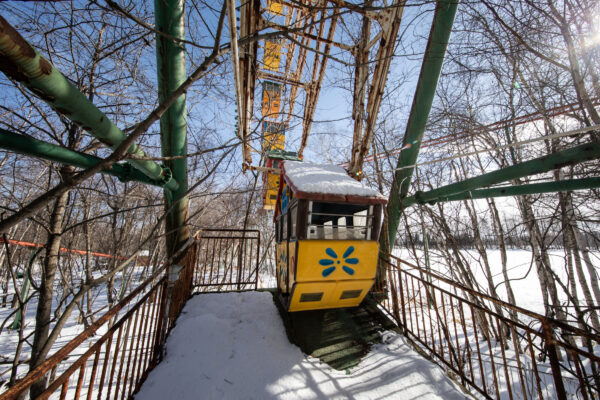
(293, 220)
(284, 227)
(278, 230)
(339, 221)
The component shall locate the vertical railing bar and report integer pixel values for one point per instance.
(458, 351)
(219, 254)
(94, 369)
(412, 284)
(501, 340)
(534, 364)
(105, 365)
(402, 298)
(242, 267)
(131, 340)
(476, 334)
(554, 362)
(212, 260)
(257, 259)
(136, 358)
(431, 304)
(439, 322)
(153, 327)
(122, 360)
(467, 343)
(515, 340)
(141, 360)
(446, 331)
(114, 363)
(80, 380)
(408, 298)
(65, 388)
(423, 312)
(493, 363)
(156, 344)
(580, 373)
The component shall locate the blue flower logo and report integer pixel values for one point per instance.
(283, 263)
(332, 263)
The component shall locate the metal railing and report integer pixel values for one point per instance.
(115, 365)
(500, 350)
(227, 259)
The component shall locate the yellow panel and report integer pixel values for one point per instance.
(271, 191)
(292, 261)
(347, 288)
(331, 294)
(275, 7)
(335, 268)
(327, 288)
(281, 250)
(272, 55)
(273, 141)
(323, 260)
(271, 102)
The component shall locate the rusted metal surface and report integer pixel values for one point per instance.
(318, 73)
(227, 259)
(389, 21)
(531, 357)
(20, 61)
(116, 364)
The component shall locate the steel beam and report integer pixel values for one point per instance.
(314, 89)
(21, 62)
(249, 20)
(389, 21)
(439, 35)
(574, 155)
(514, 190)
(36, 148)
(170, 56)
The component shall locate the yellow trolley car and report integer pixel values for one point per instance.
(327, 230)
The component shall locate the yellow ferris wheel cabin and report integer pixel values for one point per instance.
(327, 229)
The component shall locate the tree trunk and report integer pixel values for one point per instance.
(44, 307)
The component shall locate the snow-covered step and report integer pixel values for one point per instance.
(337, 337)
(234, 346)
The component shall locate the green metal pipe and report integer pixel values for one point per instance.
(51, 152)
(574, 155)
(21, 62)
(441, 27)
(170, 57)
(516, 190)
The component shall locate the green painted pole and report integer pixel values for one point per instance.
(574, 155)
(36, 148)
(517, 190)
(170, 56)
(441, 27)
(21, 62)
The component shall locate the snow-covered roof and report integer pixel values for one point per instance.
(330, 181)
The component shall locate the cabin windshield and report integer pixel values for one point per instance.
(339, 221)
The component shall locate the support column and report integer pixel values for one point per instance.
(170, 55)
(441, 27)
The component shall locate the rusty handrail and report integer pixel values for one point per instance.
(494, 300)
(42, 369)
(437, 319)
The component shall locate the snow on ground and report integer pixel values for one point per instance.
(329, 179)
(234, 346)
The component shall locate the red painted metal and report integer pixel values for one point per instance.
(62, 249)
